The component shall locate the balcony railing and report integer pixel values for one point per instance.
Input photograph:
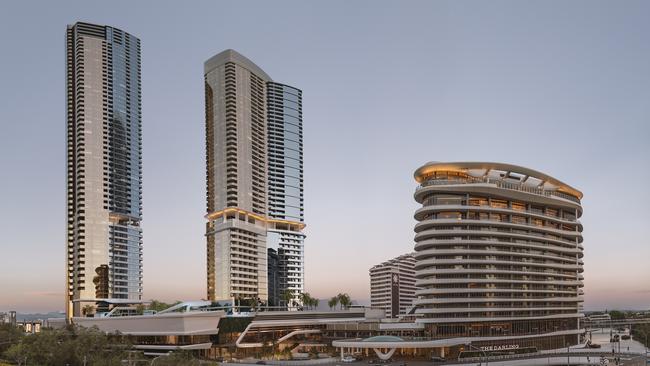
(500, 184)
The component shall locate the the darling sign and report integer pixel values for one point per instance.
(500, 347)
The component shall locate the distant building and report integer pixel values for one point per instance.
(599, 317)
(8, 318)
(392, 285)
(273, 277)
(31, 326)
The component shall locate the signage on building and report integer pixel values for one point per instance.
(394, 295)
(501, 347)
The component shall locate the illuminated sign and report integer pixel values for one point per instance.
(501, 347)
(394, 301)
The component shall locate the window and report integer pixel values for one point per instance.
(518, 206)
(449, 215)
(537, 209)
(499, 203)
(518, 219)
(498, 217)
(552, 212)
(448, 199)
(478, 201)
(568, 215)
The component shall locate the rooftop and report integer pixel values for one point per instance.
(506, 173)
(231, 55)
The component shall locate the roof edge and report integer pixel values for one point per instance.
(461, 166)
(231, 55)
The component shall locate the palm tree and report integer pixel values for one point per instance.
(332, 302)
(304, 298)
(88, 310)
(314, 303)
(308, 301)
(287, 295)
(344, 300)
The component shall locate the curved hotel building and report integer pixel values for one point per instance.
(498, 256)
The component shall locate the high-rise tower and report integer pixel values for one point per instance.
(104, 179)
(254, 179)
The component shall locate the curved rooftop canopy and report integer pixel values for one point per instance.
(383, 339)
(512, 173)
(231, 55)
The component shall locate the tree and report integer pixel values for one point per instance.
(616, 314)
(315, 302)
(344, 300)
(333, 302)
(88, 310)
(304, 298)
(287, 296)
(9, 335)
(308, 301)
(70, 346)
(157, 306)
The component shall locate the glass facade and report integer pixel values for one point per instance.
(284, 109)
(285, 182)
(104, 188)
(236, 157)
(254, 181)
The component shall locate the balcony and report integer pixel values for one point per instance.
(499, 184)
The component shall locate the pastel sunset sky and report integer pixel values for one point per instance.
(562, 87)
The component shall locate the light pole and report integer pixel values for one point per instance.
(157, 357)
(478, 349)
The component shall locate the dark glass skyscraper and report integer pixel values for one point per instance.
(104, 179)
(285, 182)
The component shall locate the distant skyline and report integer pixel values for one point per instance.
(387, 86)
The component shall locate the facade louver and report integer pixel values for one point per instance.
(254, 180)
(104, 178)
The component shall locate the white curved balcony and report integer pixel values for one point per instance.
(433, 208)
(424, 224)
(432, 243)
(425, 301)
(442, 291)
(483, 233)
(495, 319)
(466, 184)
(423, 273)
(425, 282)
(494, 309)
(440, 262)
(426, 254)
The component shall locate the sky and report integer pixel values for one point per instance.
(562, 87)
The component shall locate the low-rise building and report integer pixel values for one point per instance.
(392, 285)
(8, 318)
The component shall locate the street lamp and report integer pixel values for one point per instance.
(157, 357)
(478, 349)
